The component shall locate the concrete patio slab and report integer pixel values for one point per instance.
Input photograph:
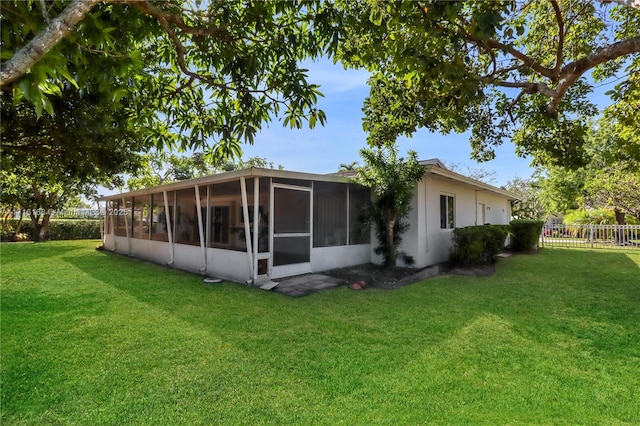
(304, 285)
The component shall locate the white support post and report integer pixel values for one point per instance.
(201, 230)
(103, 223)
(271, 224)
(349, 242)
(126, 225)
(169, 225)
(107, 223)
(311, 219)
(245, 215)
(256, 227)
(208, 230)
(114, 226)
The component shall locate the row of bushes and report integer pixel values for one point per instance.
(59, 229)
(479, 245)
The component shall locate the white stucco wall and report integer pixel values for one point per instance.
(154, 251)
(109, 241)
(185, 257)
(326, 258)
(228, 264)
(497, 209)
(188, 258)
(425, 240)
(413, 242)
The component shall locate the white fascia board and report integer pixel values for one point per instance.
(448, 174)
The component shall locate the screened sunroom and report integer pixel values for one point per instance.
(248, 225)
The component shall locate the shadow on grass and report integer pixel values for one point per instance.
(336, 340)
(579, 280)
(535, 340)
(536, 293)
(178, 293)
(24, 252)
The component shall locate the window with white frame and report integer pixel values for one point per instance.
(447, 216)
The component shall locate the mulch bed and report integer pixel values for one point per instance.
(372, 275)
(369, 275)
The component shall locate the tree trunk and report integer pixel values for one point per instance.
(6, 217)
(390, 219)
(41, 228)
(16, 230)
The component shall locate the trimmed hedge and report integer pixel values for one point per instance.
(525, 234)
(60, 229)
(477, 245)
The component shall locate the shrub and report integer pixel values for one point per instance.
(78, 229)
(60, 229)
(525, 234)
(477, 245)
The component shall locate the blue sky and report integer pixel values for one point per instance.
(324, 148)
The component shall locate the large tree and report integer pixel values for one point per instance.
(194, 71)
(504, 69)
(618, 188)
(47, 161)
(611, 179)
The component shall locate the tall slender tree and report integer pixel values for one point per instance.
(392, 180)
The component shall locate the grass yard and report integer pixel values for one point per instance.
(95, 338)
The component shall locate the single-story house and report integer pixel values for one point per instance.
(256, 224)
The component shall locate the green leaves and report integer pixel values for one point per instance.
(609, 179)
(392, 180)
(504, 70)
(54, 157)
(206, 74)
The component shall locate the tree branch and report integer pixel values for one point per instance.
(147, 8)
(166, 20)
(560, 48)
(527, 86)
(613, 51)
(526, 60)
(571, 72)
(56, 30)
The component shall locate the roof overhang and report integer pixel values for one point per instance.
(444, 174)
(226, 177)
(434, 168)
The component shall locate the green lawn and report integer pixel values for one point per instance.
(91, 337)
